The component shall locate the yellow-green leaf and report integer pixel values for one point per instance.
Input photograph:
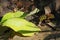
(42, 17)
(22, 26)
(12, 15)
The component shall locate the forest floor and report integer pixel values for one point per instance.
(43, 35)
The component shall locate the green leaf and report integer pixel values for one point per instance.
(12, 15)
(21, 26)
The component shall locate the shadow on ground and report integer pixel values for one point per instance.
(53, 36)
